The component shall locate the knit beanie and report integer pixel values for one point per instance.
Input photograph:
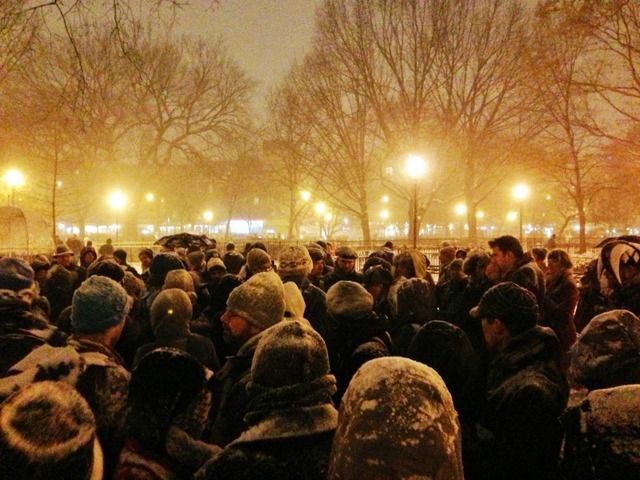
(179, 279)
(161, 264)
(260, 300)
(98, 304)
(349, 299)
(293, 261)
(15, 274)
(171, 313)
(107, 267)
(258, 261)
(515, 306)
(293, 301)
(47, 431)
(216, 263)
(607, 353)
(290, 352)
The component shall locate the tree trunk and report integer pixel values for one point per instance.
(582, 219)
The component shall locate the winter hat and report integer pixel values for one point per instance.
(40, 262)
(171, 313)
(216, 263)
(515, 306)
(163, 385)
(98, 304)
(258, 261)
(416, 302)
(47, 431)
(260, 300)
(62, 250)
(377, 275)
(120, 254)
(179, 279)
(607, 353)
(315, 253)
(294, 260)
(15, 274)
(346, 252)
(161, 264)
(447, 349)
(196, 259)
(293, 301)
(349, 299)
(289, 353)
(397, 420)
(107, 267)
(233, 261)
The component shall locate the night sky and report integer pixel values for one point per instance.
(263, 36)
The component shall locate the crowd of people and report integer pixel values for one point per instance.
(296, 364)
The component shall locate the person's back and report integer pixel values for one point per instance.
(290, 416)
(525, 391)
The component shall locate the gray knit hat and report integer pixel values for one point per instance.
(171, 313)
(260, 300)
(47, 430)
(258, 261)
(349, 299)
(294, 260)
(98, 304)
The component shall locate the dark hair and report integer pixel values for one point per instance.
(377, 275)
(507, 243)
(230, 246)
(120, 254)
(474, 260)
(375, 261)
(562, 257)
(539, 253)
(147, 252)
(405, 260)
(388, 244)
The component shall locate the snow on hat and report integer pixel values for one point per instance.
(15, 274)
(402, 408)
(47, 430)
(294, 260)
(258, 261)
(161, 264)
(293, 300)
(289, 353)
(98, 304)
(346, 252)
(607, 352)
(260, 300)
(515, 306)
(216, 263)
(349, 299)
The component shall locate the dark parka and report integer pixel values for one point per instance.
(525, 396)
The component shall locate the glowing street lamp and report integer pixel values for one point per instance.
(415, 168)
(460, 209)
(384, 215)
(207, 215)
(117, 201)
(305, 195)
(320, 208)
(13, 178)
(149, 197)
(520, 192)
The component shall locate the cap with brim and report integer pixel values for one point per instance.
(62, 250)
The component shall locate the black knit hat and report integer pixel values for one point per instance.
(15, 274)
(161, 264)
(47, 431)
(515, 306)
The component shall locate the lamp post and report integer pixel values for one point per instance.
(117, 201)
(520, 192)
(415, 167)
(13, 178)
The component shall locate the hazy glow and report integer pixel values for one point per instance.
(512, 216)
(117, 200)
(415, 167)
(385, 199)
(520, 192)
(13, 178)
(328, 217)
(320, 208)
(305, 195)
(207, 215)
(149, 197)
(384, 214)
(460, 209)
(479, 214)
